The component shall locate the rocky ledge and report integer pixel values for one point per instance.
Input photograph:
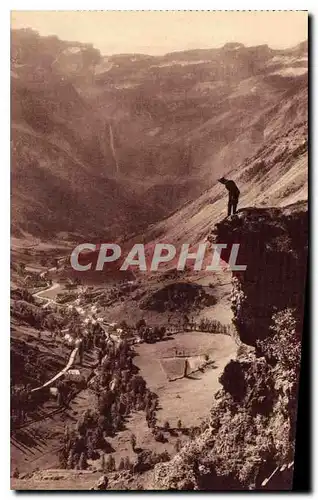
(273, 246)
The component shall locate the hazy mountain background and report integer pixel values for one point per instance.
(105, 146)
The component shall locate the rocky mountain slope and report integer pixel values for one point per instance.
(276, 175)
(103, 146)
(251, 429)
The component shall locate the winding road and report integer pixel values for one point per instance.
(39, 294)
(73, 353)
(59, 374)
(75, 350)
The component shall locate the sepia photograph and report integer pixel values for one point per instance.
(159, 248)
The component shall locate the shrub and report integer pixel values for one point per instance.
(16, 473)
(159, 436)
(177, 445)
(121, 465)
(82, 464)
(148, 459)
(111, 464)
(284, 345)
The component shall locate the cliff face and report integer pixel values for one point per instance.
(273, 245)
(251, 430)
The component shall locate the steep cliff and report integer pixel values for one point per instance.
(251, 429)
(274, 244)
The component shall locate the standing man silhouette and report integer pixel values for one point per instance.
(234, 194)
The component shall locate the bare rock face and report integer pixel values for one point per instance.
(273, 246)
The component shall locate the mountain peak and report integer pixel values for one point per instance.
(233, 46)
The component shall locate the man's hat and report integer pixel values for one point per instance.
(222, 179)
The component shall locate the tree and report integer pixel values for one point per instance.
(127, 463)
(103, 463)
(81, 352)
(82, 464)
(177, 445)
(63, 458)
(70, 459)
(152, 419)
(121, 465)
(21, 268)
(123, 325)
(186, 321)
(284, 345)
(166, 425)
(141, 324)
(133, 441)
(66, 433)
(162, 332)
(16, 473)
(111, 464)
(138, 384)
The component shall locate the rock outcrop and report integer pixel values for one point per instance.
(273, 245)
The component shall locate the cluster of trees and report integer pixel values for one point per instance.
(178, 297)
(27, 312)
(116, 293)
(24, 403)
(119, 390)
(24, 309)
(183, 323)
(63, 298)
(22, 294)
(150, 334)
(92, 334)
(82, 443)
(145, 460)
(20, 402)
(212, 326)
(28, 365)
(29, 278)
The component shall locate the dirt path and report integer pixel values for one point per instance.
(54, 286)
(49, 289)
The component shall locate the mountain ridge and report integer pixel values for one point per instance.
(132, 137)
